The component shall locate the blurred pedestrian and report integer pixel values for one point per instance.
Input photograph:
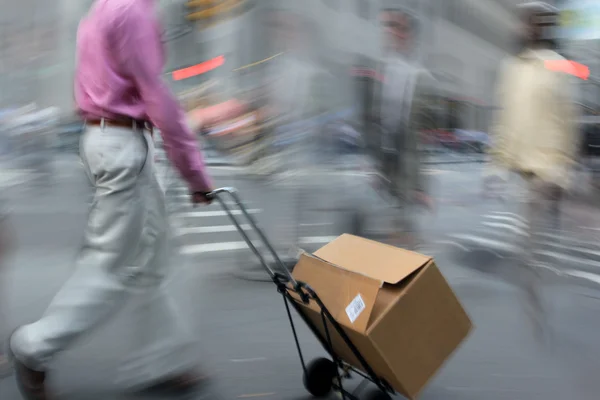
(535, 134)
(120, 93)
(290, 95)
(403, 115)
(285, 145)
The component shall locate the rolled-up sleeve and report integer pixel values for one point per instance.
(137, 45)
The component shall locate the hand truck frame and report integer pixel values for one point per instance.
(321, 375)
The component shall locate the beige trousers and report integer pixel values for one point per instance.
(123, 259)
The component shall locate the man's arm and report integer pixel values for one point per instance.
(138, 48)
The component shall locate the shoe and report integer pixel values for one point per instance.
(31, 383)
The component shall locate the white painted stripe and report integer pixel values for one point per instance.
(202, 214)
(568, 258)
(435, 171)
(516, 221)
(497, 234)
(209, 229)
(590, 228)
(232, 246)
(495, 244)
(510, 214)
(584, 275)
(559, 240)
(551, 240)
(567, 238)
(245, 360)
(452, 243)
(508, 227)
(317, 239)
(318, 224)
(570, 247)
(212, 248)
(214, 203)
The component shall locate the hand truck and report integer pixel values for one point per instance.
(322, 375)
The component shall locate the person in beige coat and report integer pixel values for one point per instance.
(534, 136)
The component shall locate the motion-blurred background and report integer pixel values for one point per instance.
(309, 73)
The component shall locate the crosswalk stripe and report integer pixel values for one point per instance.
(558, 250)
(569, 258)
(574, 248)
(495, 244)
(568, 239)
(584, 275)
(186, 198)
(516, 221)
(508, 214)
(232, 246)
(559, 241)
(508, 227)
(203, 214)
(209, 229)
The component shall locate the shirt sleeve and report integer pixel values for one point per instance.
(137, 45)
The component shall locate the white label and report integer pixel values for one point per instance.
(355, 308)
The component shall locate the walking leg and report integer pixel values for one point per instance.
(536, 217)
(161, 342)
(107, 263)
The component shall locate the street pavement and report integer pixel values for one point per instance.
(244, 341)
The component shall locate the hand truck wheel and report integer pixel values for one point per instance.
(376, 394)
(319, 376)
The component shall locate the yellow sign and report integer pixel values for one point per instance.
(206, 9)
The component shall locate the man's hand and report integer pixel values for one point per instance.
(201, 198)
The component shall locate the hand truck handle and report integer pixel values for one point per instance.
(217, 194)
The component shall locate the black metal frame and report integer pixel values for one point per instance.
(296, 294)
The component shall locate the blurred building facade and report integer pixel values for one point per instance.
(460, 41)
(470, 39)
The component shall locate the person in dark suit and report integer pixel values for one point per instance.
(403, 114)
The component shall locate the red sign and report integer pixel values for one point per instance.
(198, 69)
(569, 67)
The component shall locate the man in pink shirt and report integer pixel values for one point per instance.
(120, 93)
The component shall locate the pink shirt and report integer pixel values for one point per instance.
(120, 59)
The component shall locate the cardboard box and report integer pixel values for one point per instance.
(394, 305)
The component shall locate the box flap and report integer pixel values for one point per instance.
(372, 259)
(348, 297)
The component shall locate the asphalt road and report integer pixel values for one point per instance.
(244, 341)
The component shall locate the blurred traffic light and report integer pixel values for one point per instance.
(201, 10)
